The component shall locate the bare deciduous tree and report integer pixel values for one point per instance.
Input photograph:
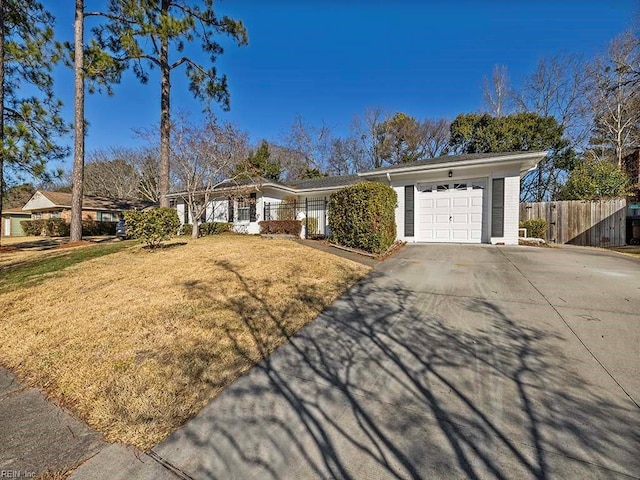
(497, 94)
(204, 157)
(557, 89)
(436, 133)
(614, 99)
(120, 172)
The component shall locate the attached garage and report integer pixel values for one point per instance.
(459, 199)
(11, 219)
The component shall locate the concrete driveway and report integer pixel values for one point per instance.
(446, 362)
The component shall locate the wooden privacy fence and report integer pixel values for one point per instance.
(578, 222)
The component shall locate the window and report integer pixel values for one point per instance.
(408, 211)
(243, 209)
(37, 215)
(459, 186)
(424, 187)
(497, 208)
(57, 214)
(442, 188)
(107, 217)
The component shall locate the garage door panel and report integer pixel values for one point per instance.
(443, 202)
(426, 203)
(461, 202)
(460, 219)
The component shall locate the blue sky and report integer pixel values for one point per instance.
(329, 60)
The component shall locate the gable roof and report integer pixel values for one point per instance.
(63, 200)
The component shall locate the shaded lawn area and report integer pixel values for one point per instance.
(18, 270)
(137, 342)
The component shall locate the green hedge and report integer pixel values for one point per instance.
(57, 227)
(536, 227)
(281, 227)
(93, 228)
(214, 228)
(311, 224)
(32, 227)
(207, 228)
(152, 226)
(363, 216)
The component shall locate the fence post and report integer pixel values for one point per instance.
(306, 218)
(324, 211)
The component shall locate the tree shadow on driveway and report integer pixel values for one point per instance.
(392, 383)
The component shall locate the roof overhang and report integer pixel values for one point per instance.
(527, 161)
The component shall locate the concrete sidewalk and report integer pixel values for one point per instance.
(445, 362)
(37, 435)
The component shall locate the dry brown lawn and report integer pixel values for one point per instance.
(137, 342)
(631, 250)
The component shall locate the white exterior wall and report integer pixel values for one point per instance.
(180, 208)
(400, 215)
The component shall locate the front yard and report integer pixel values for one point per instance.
(137, 342)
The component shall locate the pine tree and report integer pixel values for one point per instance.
(146, 33)
(29, 124)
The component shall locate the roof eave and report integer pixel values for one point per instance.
(537, 156)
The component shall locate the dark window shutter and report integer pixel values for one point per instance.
(409, 201)
(497, 208)
(252, 207)
(230, 210)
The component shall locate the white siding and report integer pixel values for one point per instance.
(511, 209)
(400, 215)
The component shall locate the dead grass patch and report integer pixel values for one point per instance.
(137, 342)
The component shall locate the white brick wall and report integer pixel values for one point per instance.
(400, 215)
(511, 209)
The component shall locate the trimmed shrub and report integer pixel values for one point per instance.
(536, 227)
(287, 209)
(213, 228)
(363, 216)
(281, 227)
(32, 227)
(152, 226)
(186, 229)
(311, 224)
(93, 228)
(56, 227)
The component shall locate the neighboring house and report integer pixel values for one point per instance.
(11, 218)
(43, 205)
(458, 199)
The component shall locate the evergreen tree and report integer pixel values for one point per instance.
(29, 124)
(147, 32)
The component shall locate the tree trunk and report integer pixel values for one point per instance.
(195, 230)
(165, 114)
(1, 111)
(78, 147)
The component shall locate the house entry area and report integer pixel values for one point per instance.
(450, 212)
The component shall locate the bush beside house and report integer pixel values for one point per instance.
(152, 226)
(207, 228)
(281, 227)
(536, 227)
(58, 227)
(363, 216)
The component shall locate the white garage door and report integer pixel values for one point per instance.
(450, 212)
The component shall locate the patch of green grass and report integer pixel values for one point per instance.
(36, 270)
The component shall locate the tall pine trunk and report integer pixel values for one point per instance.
(1, 112)
(165, 112)
(78, 147)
